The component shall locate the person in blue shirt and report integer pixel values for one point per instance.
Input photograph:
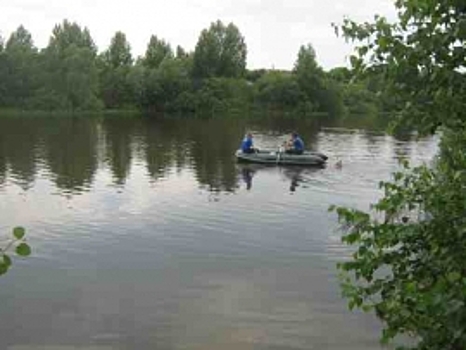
(247, 146)
(296, 145)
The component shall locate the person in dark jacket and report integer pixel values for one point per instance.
(247, 146)
(295, 145)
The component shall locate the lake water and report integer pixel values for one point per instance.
(147, 234)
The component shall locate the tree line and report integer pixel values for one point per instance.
(71, 75)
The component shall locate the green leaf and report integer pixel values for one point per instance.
(355, 62)
(3, 268)
(19, 232)
(460, 29)
(382, 42)
(7, 260)
(362, 50)
(23, 250)
(453, 276)
(417, 239)
(367, 308)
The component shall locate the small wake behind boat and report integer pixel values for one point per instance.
(281, 158)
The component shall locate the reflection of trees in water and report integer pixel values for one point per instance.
(372, 141)
(213, 145)
(405, 146)
(70, 147)
(400, 145)
(18, 145)
(3, 153)
(402, 150)
(2, 167)
(118, 136)
(161, 147)
(208, 145)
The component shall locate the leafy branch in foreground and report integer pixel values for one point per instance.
(16, 242)
(409, 263)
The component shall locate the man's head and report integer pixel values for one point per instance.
(294, 135)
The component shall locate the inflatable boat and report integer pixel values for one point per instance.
(282, 158)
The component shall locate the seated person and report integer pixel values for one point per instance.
(247, 145)
(296, 145)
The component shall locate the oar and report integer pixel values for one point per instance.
(279, 153)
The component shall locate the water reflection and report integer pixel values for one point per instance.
(158, 145)
(296, 176)
(213, 146)
(118, 137)
(247, 174)
(72, 150)
(3, 161)
(17, 149)
(172, 259)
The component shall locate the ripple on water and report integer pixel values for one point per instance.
(140, 243)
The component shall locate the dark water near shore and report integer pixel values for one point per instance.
(148, 235)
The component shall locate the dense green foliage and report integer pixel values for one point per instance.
(409, 266)
(115, 66)
(220, 52)
(71, 75)
(21, 248)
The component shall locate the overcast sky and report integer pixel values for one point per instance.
(274, 29)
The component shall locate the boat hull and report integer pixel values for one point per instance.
(281, 158)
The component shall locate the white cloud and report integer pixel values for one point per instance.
(274, 29)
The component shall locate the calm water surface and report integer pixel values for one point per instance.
(148, 235)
